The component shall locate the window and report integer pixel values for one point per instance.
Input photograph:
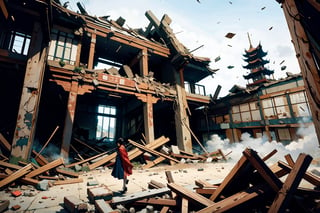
(268, 109)
(246, 112)
(106, 126)
(63, 47)
(300, 104)
(19, 43)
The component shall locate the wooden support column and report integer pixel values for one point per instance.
(183, 134)
(30, 97)
(144, 62)
(148, 100)
(306, 61)
(68, 123)
(92, 50)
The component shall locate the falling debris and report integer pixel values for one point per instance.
(198, 1)
(263, 8)
(230, 2)
(230, 35)
(282, 62)
(270, 28)
(229, 45)
(230, 67)
(217, 59)
(283, 67)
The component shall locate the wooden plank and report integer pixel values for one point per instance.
(4, 143)
(9, 165)
(139, 196)
(265, 158)
(14, 176)
(165, 209)
(45, 168)
(103, 161)
(145, 148)
(24, 180)
(85, 160)
(153, 163)
(289, 160)
(308, 176)
(190, 195)
(68, 173)
(152, 145)
(263, 169)
(157, 201)
(40, 159)
(204, 184)
(290, 185)
(155, 185)
(235, 200)
(169, 176)
(240, 169)
(68, 181)
(205, 191)
(184, 205)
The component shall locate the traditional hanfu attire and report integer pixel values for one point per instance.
(122, 167)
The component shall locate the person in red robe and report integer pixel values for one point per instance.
(122, 167)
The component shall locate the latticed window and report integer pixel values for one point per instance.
(19, 43)
(106, 126)
(63, 47)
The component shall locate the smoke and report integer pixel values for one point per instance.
(308, 145)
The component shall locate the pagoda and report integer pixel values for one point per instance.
(255, 63)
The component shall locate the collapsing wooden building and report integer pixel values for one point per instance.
(90, 77)
(276, 109)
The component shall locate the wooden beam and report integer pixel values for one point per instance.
(85, 160)
(9, 165)
(68, 173)
(40, 159)
(290, 185)
(263, 169)
(45, 168)
(14, 176)
(235, 200)
(157, 201)
(308, 176)
(68, 181)
(184, 205)
(152, 151)
(239, 170)
(4, 143)
(193, 197)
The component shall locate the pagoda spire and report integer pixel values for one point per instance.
(254, 57)
(249, 40)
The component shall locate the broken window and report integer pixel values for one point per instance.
(268, 110)
(246, 112)
(284, 134)
(194, 88)
(106, 126)
(63, 47)
(19, 43)
(300, 104)
(282, 107)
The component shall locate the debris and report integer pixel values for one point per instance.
(74, 204)
(230, 35)
(16, 193)
(217, 59)
(230, 67)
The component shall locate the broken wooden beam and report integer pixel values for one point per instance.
(291, 183)
(157, 201)
(5, 143)
(68, 181)
(14, 176)
(66, 172)
(45, 168)
(152, 151)
(190, 195)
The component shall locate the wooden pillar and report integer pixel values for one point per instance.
(92, 50)
(306, 61)
(30, 97)
(68, 123)
(148, 100)
(183, 134)
(144, 62)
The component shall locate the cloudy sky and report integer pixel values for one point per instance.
(207, 23)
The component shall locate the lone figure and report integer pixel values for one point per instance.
(122, 167)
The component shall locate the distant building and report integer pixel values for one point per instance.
(265, 107)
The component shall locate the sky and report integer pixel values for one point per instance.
(205, 23)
